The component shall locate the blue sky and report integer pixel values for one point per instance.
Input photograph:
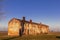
(44, 11)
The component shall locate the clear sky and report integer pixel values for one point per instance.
(44, 11)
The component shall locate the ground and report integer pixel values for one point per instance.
(50, 36)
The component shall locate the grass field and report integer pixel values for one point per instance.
(51, 36)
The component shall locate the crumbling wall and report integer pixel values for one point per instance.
(45, 29)
(13, 27)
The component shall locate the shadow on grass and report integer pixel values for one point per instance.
(58, 37)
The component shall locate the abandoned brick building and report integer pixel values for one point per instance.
(18, 27)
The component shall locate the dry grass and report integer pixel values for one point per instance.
(51, 36)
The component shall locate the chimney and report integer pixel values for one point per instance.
(30, 21)
(23, 18)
